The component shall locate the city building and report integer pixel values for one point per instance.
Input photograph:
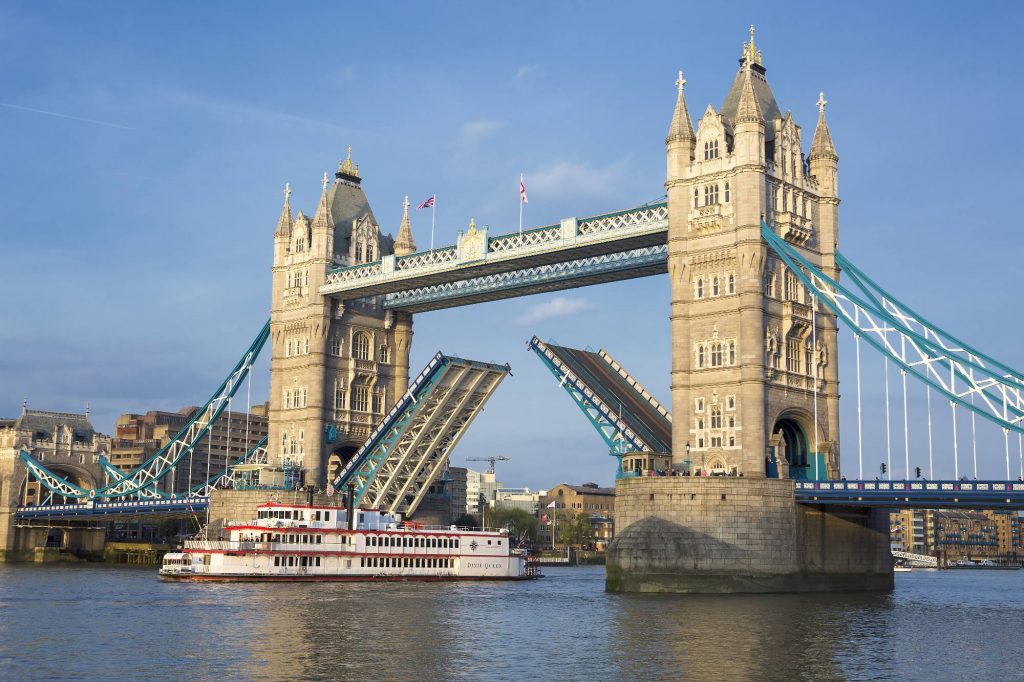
(457, 490)
(480, 489)
(597, 501)
(957, 534)
(139, 437)
(517, 498)
(66, 443)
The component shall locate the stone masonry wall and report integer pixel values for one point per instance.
(683, 534)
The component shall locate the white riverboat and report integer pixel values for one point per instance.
(311, 543)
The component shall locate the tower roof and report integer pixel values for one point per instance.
(348, 202)
(821, 145)
(750, 62)
(681, 127)
(404, 243)
(284, 223)
(322, 218)
(749, 108)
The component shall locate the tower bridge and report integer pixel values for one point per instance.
(747, 493)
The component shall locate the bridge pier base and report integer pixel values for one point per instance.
(726, 534)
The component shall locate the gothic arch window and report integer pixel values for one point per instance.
(300, 245)
(359, 253)
(716, 355)
(700, 357)
(385, 354)
(714, 193)
(339, 396)
(732, 353)
(700, 287)
(369, 252)
(716, 416)
(730, 283)
(715, 288)
(336, 344)
(361, 398)
(727, 192)
(361, 346)
(696, 196)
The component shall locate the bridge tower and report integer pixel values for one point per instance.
(336, 367)
(754, 373)
(748, 364)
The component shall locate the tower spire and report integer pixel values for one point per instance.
(404, 244)
(681, 127)
(322, 219)
(284, 223)
(751, 55)
(821, 145)
(347, 169)
(749, 109)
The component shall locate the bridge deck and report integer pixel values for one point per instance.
(598, 381)
(915, 494)
(489, 262)
(123, 509)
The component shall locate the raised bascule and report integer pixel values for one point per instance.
(736, 487)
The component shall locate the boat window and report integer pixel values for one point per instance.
(327, 516)
(318, 561)
(362, 562)
(319, 539)
(488, 542)
(456, 543)
(499, 542)
(316, 516)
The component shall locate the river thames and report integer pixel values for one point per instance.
(114, 623)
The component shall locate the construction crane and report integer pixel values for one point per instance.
(491, 460)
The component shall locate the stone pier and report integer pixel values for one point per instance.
(730, 534)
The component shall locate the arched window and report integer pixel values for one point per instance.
(700, 357)
(359, 253)
(714, 286)
(716, 355)
(714, 193)
(700, 287)
(696, 196)
(730, 284)
(716, 416)
(361, 346)
(336, 345)
(727, 191)
(732, 352)
(706, 150)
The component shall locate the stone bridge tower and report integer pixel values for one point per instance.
(754, 380)
(748, 365)
(336, 367)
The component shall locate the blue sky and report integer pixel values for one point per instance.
(145, 147)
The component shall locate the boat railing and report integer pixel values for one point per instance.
(230, 545)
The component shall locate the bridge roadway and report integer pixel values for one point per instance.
(619, 407)
(916, 494)
(120, 509)
(573, 253)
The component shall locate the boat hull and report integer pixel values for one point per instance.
(227, 578)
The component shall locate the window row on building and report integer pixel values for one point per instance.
(713, 193)
(295, 279)
(363, 399)
(713, 354)
(293, 444)
(362, 348)
(714, 285)
(296, 346)
(295, 397)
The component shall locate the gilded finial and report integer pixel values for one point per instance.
(346, 167)
(821, 103)
(680, 82)
(750, 53)
(472, 226)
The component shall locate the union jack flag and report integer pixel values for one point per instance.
(522, 190)
(426, 204)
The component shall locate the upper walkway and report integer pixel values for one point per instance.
(916, 494)
(121, 508)
(572, 253)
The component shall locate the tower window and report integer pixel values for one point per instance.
(727, 192)
(700, 405)
(339, 397)
(336, 345)
(716, 355)
(700, 357)
(700, 287)
(730, 402)
(793, 355)
(714, 286)
(716, 417)
(360, 398)
(696, 194)
(711, 150)
(730, 283)
(361, 347)
(732, 353)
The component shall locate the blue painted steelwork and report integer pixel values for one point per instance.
(925, 351)
(368, 458)
(120, 508)
(917, 494)
(142, 480)
(651, 260)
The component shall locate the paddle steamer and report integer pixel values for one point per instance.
(320, 543)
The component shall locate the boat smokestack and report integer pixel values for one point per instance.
(351, 506)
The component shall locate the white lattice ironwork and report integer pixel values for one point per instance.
(427, 259)
(354, 273)
(553, 275)
(624, 219)
(535, 237)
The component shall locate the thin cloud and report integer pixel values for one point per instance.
(69, 117)
(555, 308)
(565, 179)
(472, 135)
(527, 71)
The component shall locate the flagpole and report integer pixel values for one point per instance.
(521, 185)
(433, 207)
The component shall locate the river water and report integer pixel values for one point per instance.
(119, 623)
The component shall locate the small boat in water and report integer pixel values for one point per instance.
(898, 568)
(310, 543)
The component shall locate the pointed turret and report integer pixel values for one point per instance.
(404, 244)
(322, 234)
(284, 223)
(749, 109)
(682, 127)
(821, 145)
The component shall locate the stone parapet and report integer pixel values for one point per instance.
(689, 534)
